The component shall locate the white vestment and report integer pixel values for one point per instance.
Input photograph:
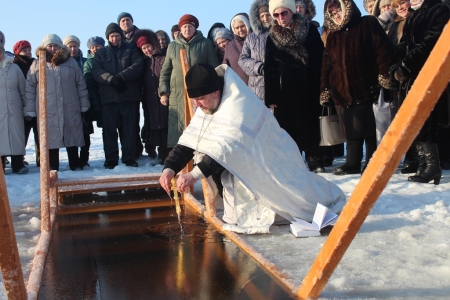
(270, 176)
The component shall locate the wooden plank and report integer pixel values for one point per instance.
(125, 178)
(68, 210)
(10, 266)
(95, 188)
(421, 99)
(43, 138)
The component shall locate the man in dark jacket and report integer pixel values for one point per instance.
(117, 68)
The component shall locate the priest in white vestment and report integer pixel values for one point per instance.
(237, 144)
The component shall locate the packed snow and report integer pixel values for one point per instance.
(401, 252)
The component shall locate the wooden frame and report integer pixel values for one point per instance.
(433, 78)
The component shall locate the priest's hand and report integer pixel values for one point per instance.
(185, 181)
(165, 179)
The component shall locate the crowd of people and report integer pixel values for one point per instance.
(360, 66)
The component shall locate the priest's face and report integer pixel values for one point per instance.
(208, 103)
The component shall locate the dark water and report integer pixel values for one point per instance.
(142, 254)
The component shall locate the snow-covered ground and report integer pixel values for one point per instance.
(401, 252)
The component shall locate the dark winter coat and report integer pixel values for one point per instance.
(357, 56)
(24, 62)
(292, 76)
(66, 97)
(254, 49)
(421, 32)
(80, 59)
(158, 113)
(396, 30)
(93, 89)
(171, 82)
(124, 60)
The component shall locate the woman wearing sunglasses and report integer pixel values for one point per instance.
(293, 60)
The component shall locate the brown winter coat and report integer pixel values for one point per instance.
(12, 98)
(66, 95)
(357, 56)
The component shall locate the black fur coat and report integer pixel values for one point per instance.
(292, 74)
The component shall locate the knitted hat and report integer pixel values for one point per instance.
(202, 80)
(223, 33)
(96, 40)
(289, 4)
(71, 38)
(20, 45)
(51, 39)
(188, 19)
(123, 15)
(113, 27)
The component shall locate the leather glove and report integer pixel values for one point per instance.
(118, 83)
(325, 99)
(375, 92)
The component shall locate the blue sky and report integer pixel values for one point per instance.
(26, 20)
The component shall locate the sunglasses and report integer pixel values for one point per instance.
(283, 14)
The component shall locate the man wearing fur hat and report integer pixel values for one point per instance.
(251, 59)
(292, 76)
(67, 98)
(254, 166)
(117, 69)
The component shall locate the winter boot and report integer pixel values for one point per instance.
(411, 162)
(431, 170)
(353, 160)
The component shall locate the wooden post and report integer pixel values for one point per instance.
(9, 253)
(43, 141)
(421, 99)
(188, 109)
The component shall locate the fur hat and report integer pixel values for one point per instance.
(188, 19)
(71, 38)
(366, 3)
(223, 33)
(113, 27)
(95, 40)
(202, 80)
(289, 4)
(256, 8)
(51, 39)
(123, 15)
(20, 45)
(147, 36)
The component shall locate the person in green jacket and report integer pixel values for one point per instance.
(171, 83)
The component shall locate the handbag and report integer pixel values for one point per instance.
(331, 131)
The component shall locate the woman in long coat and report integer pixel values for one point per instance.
(12, 127)
(240, 26)
(156, 133)
(171, 81)
(421, 32)
(67, 98)
(292, 75)
(253, 52)
(355, 64)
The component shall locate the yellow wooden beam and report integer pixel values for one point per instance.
(421, 99)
